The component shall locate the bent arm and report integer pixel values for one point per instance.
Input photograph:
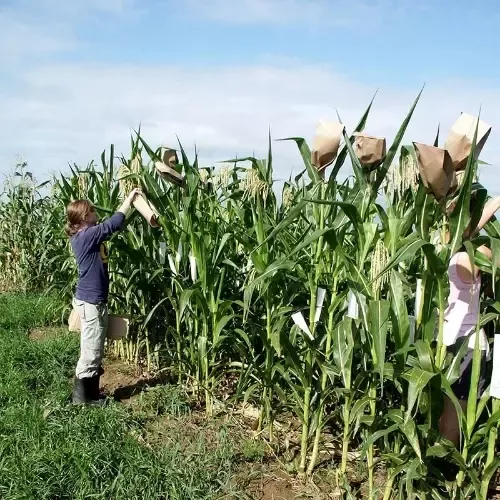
(489, 210)
(466, 269)
(103, 231)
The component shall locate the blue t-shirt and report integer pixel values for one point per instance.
(92, 259)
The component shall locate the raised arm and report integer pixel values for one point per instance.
(489, 210)
(126, 205)
(101, 232)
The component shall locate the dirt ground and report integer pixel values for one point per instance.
(263, 479)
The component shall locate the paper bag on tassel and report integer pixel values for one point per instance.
(459, 140)
(166, 167)
(169, 173)
(169, 157)
(326, 144)
(370, 150)
(436, 170)
(147, 210)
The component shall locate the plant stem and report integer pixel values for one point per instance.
(370, 455)
(178, 347)
(324, 380)
(492, 437)
(267, 392)
(441, 348)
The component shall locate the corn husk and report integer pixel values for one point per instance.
(370, 150)
(436, 170)
(459, 141)
(147, 210)
(326, 144)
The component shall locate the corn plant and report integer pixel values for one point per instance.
(244, 298)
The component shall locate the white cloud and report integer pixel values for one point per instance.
(71, 112)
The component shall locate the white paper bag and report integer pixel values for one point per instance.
(118, 325)
(320, 298)
(163, 252)
(194, 270)
(418, 297)
(352, 306)
(299, 320)
(495, 376)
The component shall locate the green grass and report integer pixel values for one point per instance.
(51, 450)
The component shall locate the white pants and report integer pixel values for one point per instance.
(94, 326)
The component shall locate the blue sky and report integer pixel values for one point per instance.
(77, 76)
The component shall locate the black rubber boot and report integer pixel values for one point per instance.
(86, 391)
(95, 385)
(79, 396)
(448, 469)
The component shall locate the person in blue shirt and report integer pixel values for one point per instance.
(91, 297)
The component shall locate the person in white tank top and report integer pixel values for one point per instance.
(461, 318)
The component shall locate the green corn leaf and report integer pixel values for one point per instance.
(343, 350)
(417, 381)
(382, 170)
(460, 217)
(344, 151)
(306, 157)
(378, 320)
(399, 312)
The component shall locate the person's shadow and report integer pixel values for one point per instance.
(127, 392)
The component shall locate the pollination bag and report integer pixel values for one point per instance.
(436, 170)
(326, 144)
(370, 150)
(147, 210)
(459, 140)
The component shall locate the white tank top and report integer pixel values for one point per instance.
(461, 315)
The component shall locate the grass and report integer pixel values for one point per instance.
(51, 450)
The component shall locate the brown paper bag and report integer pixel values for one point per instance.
(74, 324)
(169, 173)
(147, 210)
(118, 326)
(369, 150)
(326, 144)
(436, 170)
(169, 157)
(459, 141)
(166, 167)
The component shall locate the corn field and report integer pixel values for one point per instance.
(303, 305)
